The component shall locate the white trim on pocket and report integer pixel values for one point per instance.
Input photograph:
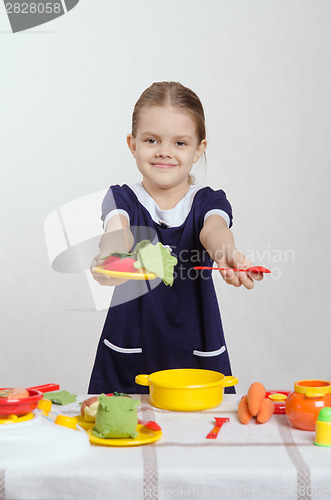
(209, 354)
(124, 350)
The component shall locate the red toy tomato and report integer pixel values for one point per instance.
(110, 260)
(125, 265)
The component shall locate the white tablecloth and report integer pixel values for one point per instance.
(273, 460)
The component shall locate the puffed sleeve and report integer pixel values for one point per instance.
(215, 202)
(116, 202)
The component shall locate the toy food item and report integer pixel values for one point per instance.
(89, 409)
(145, 256)
(265, 411)
(124, 265)
(255, 404)
(14, 393)
(116, 417)
(255, 396)
(244, 414)
(108, 261)
(158, 260)
(61, 397)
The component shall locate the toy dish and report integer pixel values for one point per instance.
(83, 423)
(145, 436)
(123, 275)
(186, 389)
(278, 401)
(19, 406)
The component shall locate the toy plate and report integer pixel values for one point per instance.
(145, 436)
(83, 423)
(125, 276)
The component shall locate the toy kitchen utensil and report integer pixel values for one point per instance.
(45, 388)
(219, 422)
(145, 436)
(323, 427)
(254, 269)
(279, 400)
(304, 404)
(186, 389)
(22, 406)
(123, 275)
(88, 425)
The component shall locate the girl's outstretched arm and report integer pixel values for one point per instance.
(116, 238)
(218, 240)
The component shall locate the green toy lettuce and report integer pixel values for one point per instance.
(116, 417)
(156, 259)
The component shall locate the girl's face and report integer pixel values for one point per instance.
(165, 147)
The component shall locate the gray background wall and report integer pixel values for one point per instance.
(262, 70)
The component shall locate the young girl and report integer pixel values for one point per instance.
(161, 327)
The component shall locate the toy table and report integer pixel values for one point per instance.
(273, 460)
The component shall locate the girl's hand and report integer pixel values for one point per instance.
(237, 260)
(102, 279)
(117, 238)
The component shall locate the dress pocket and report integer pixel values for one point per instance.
(123, 350)
(210, 354)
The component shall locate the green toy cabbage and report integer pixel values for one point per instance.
(116, 417)
(157, 259)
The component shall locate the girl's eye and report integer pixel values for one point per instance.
(150, 141)
(180, 143)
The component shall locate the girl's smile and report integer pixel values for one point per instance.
(163, 165)
(165, 148)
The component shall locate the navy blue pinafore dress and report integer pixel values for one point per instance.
(151, 326)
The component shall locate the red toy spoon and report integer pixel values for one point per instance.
(254, 269)
(219, 422)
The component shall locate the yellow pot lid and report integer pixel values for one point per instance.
(278, 397)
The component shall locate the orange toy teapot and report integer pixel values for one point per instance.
(304, 404)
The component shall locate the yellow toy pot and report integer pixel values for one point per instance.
(186, 389)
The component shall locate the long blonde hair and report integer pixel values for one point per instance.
(176, 95)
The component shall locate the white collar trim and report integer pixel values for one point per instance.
(173, 217)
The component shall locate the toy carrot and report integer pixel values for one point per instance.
(255, 396)
(244, 414)
(266, 410)
(255, 404)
